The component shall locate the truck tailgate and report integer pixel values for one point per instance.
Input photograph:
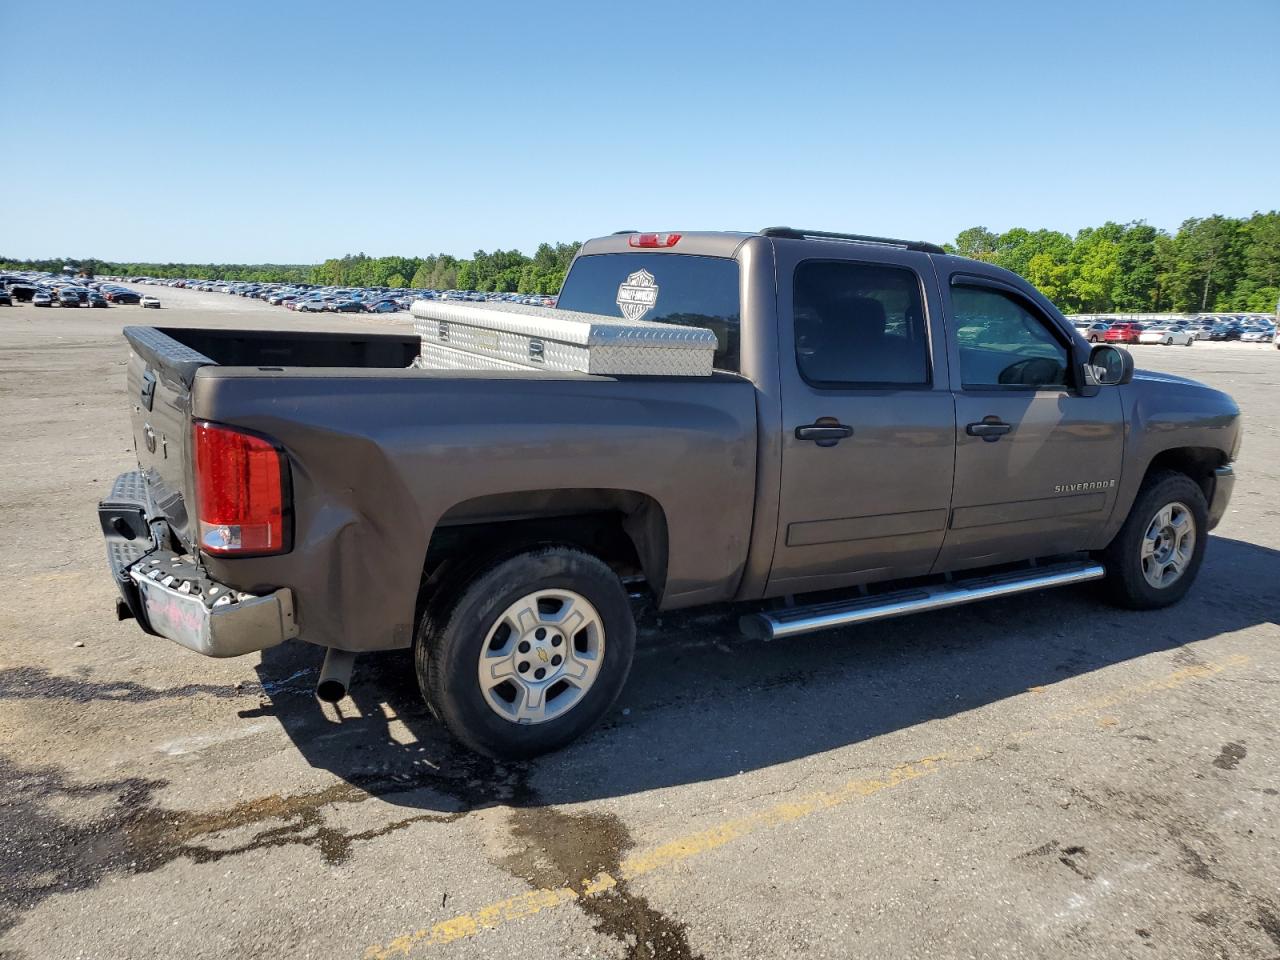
(158, 386)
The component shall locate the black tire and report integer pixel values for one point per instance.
(452, 633)
(1125, 582)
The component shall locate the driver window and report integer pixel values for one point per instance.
(1003, 344)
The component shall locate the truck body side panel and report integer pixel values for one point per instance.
(1163, 413)
(377, 459)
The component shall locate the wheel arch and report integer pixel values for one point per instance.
(1199, 463)
(627, 529)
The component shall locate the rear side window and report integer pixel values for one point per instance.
(859, 325)
(671, 288)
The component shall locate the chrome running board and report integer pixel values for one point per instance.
(792, 621)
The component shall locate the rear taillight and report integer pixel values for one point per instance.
(241, 492)
(653, 239)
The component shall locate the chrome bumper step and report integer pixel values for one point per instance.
(792, 621)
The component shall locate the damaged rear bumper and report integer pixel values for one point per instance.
(171, 596)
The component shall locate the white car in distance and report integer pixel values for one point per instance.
(1168, 335)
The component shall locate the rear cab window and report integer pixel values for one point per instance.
(681, 289)
(860, 325)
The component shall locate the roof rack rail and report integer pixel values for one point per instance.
(791, 233)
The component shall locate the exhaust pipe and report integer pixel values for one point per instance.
(335, 675)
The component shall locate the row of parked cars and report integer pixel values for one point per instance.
(311, 298)
(48, 290)
(1183, 332)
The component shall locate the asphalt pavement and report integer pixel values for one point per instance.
(1043, 776)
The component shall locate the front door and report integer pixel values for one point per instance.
(868, 419)
(1037, 463)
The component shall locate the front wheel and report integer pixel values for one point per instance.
(1155, 557)
(531, 654)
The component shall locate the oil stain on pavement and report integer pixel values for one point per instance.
(557, 850)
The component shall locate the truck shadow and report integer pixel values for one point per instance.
(703, 702)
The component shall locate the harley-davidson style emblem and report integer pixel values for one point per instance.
(637, 295)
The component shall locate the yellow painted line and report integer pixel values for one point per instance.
(1170, 681)
(677, 851)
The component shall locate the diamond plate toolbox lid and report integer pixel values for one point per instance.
(563, 341)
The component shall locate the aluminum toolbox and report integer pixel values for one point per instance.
(507, 336)
(438, 356)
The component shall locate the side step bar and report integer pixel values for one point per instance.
(790, 622)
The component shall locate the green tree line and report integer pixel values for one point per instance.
(1213, 263)
(508, 271)
(90, 266)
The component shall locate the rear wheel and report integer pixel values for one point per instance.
(1155, 557)
(532, 653)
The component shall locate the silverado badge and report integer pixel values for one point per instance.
(637, 295)
(1082, 487)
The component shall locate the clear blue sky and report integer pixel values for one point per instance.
(287, 131)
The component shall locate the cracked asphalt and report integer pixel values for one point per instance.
(1038, 777)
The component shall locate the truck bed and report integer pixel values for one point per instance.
(182, 351)
(381, 456)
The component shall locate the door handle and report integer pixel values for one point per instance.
(827, 432)
(148, 390)
(989, 429)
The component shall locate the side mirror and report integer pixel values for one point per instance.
(1110, 366)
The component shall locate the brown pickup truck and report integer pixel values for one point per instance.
(917, 429)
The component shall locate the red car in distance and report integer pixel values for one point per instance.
(1123, 332)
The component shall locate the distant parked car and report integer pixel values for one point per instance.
(151, 302)
(68, 298)
(348, 306)
(1123, 332)
(310, 306)
(41, 298)
(1167, 334)
(123, 296)
(1226, 331)
(1255, 335)
(384, 306)
(5, 299)
(1092, 330)
(98, 300)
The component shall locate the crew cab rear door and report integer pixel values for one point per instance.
(868, 439)
(1037, 458)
